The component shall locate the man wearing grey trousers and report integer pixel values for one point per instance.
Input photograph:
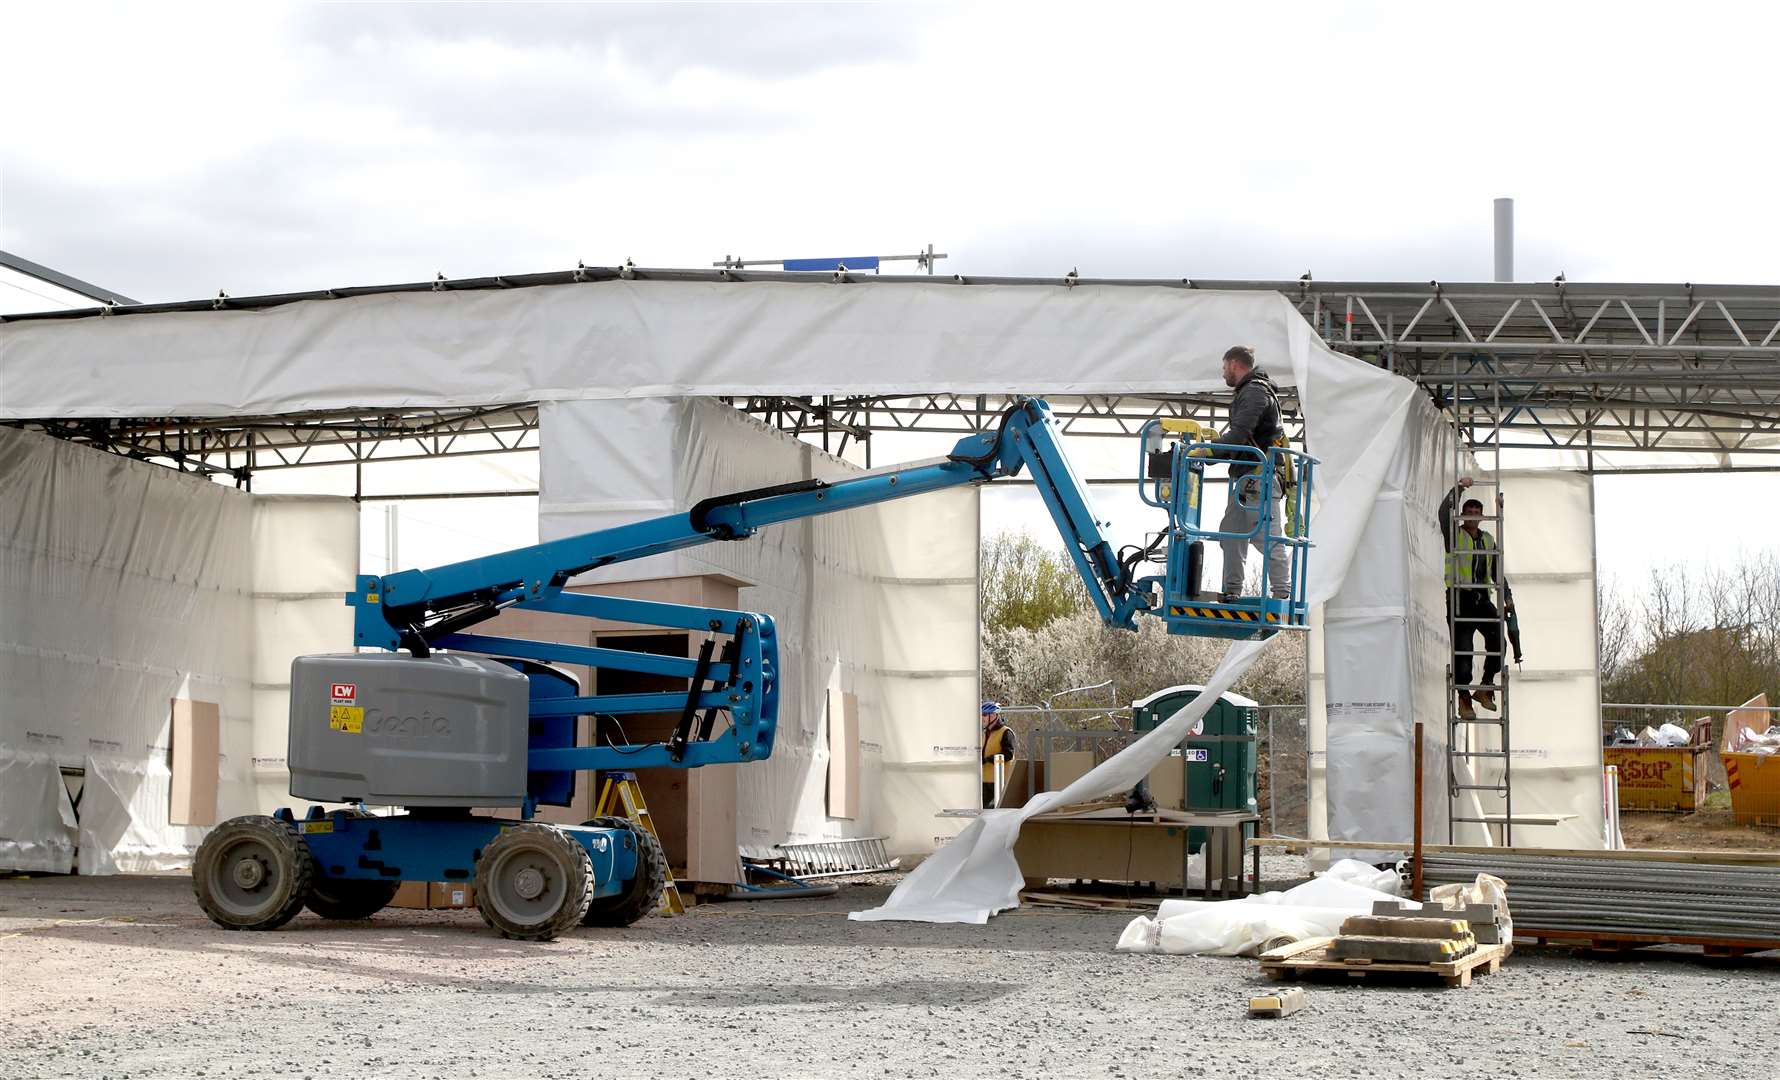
(1254, 421)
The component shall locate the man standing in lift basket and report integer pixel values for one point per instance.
(1254, 421)
(1471, 573)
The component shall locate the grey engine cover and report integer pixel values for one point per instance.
(393, 730)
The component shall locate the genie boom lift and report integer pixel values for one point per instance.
(440, 719)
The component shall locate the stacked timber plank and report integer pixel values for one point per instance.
(1426, 944)
(1628, 898)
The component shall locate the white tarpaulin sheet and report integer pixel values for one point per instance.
(125, 585)
(1356, 417)
(1383, 646)
(653, 339)
(878, 602)
(1548, 545)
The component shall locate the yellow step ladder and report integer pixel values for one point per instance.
(621, 790)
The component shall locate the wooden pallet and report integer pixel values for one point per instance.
(1307, 958)
(1612, 941)
(1089, 901)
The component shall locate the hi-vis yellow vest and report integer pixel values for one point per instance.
(995, 743)
(1463, 564)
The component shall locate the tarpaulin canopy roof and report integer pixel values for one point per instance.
(1675, 369)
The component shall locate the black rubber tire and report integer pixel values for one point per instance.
(564, 873)
(256, 899)
(349, 898)
(642, 894)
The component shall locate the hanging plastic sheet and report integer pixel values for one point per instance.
(123, 586)
(37, 822)
(1356, 418)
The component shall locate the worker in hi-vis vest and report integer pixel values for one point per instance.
(997, 739)
(1475, 561)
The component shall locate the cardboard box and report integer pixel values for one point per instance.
(197, 739)
(1068, 766)
(450, 894)
(843, 755)
(435, 895)
(1168, 783)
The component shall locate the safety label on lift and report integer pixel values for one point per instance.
(347, 718)
(313, 827)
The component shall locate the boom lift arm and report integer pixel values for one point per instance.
(423, 610)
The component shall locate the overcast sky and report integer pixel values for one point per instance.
(171, 150)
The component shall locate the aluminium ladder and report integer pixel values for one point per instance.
(1479, 752)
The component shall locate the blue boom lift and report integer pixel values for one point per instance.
(441, 719)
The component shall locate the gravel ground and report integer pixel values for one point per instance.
(124, 977)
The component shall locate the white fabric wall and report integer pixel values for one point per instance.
(879, 602)
(122, 586)
(305, 560)
(1380, 649)
(654, 339)
(1360, 771)
(1548, 541)
(125, 585)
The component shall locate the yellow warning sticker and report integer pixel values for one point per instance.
(371, 598)
(347, 718)
(318, 826)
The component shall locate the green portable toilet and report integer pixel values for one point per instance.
(1221, 751)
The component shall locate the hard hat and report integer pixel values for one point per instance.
(990, 708)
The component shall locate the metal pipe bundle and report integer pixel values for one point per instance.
(1608, 895)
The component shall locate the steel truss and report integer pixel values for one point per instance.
(237, 448)
(1587, 369)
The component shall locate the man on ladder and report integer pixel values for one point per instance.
(1471, 571)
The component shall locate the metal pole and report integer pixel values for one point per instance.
(1504, 239)
(391, 515)
(1415, 863)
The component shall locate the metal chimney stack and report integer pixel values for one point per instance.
(1504, 239)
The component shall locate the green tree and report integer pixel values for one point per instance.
(1026, 584)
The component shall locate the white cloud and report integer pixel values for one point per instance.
(255, 147)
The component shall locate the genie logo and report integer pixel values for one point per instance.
(427, 724)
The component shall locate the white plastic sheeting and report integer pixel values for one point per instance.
(125, 585)
(653, 339)
(305, 559)
(122, 586)
(1356, 416)
(878, 602)
(643, 338)
(1241, 927)
(1382, 649)
(1554, 711)
(1361, 790)
(37, 823)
